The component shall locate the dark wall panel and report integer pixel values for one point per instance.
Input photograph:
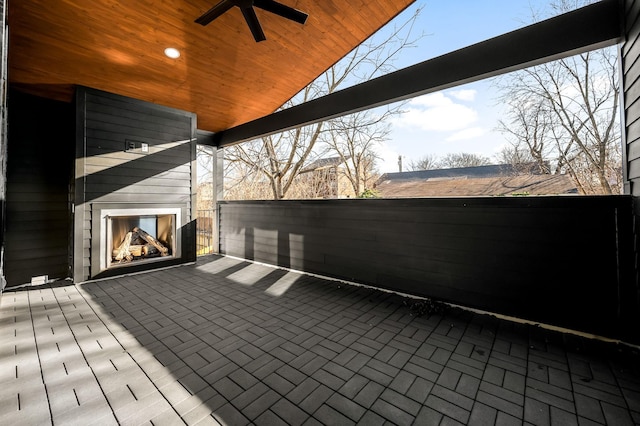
(110, 172)
(39, 177)
(630, 64)
(3, 137)
(630, 70)
(538, 258)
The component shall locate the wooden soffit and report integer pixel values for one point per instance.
(222, 75)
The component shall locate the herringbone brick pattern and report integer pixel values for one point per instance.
(231, 342)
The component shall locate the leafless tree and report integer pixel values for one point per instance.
(463, 159)
(565, 113)
(243, 183)
(428, 162)
(514, 156)
(204, 159)
(353, 139)
(449, 161)
(277, 159)
(530, 134)
(280, 158)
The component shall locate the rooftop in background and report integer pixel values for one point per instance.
(323, 163)
(494, 180)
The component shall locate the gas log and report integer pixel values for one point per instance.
(148, 238)
(122, 252)
(138, 243)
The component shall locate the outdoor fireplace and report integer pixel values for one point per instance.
(138, 238)
(135, 235)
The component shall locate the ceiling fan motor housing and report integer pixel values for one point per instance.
(247, 9)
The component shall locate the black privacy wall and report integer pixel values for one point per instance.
(564, 261)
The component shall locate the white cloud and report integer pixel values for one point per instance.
(437, 112)
(469, 133)
(464, 95)
(430, 100)
(388, 158)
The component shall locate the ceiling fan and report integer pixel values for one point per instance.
(246, 6)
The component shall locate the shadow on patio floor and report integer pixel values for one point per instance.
(232, 342)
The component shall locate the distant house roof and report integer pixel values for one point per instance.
(473, 181)
(477, 171)
(323, 163)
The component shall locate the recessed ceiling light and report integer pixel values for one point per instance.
(172, 52)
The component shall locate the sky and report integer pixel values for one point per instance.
(464, 118)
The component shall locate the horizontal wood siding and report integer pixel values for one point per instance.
(630, 55)
(111, 174)
(539, 258)
(39, 176)
(630, 69)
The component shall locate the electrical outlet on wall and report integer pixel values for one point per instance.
(137, 146)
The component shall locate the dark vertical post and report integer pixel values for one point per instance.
(3, 136)
(78, 202)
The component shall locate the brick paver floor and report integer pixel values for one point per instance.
(225, 341)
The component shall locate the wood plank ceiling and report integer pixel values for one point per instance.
(222, 75)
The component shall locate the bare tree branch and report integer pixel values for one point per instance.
(281, 158)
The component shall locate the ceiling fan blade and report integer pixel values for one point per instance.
(282, 10)
(214, 12)
(253, 23)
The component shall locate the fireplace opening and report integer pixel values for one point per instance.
(140, 238)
